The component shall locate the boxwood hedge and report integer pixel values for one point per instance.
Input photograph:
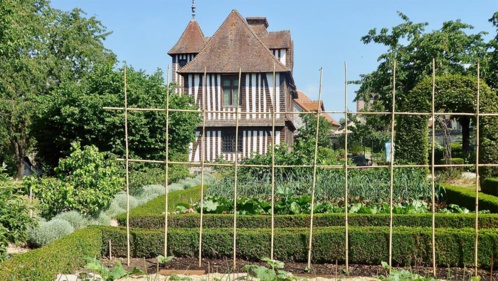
(320, 220)
(465, 197)
(490, 186)
(367, 245)
(62, 256)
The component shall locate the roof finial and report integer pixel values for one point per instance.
(193, 9)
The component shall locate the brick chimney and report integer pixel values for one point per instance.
(258, 24)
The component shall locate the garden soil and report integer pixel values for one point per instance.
(223, 267)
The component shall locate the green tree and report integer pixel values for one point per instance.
(74, 112)
(85, 181)
(40, 47)
(456, 52)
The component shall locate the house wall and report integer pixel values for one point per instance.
(254, 139)
(257, 94)
(177, 78)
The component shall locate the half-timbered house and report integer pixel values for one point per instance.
(208, 69)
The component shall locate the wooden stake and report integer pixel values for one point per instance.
(392, 169)
(235, 176)
(346, 172)
(110, 250)
(128, 252)
(313, 187)
(272, 238)
(166, 169)
(202, 154)
(433, 199)
(478, 109)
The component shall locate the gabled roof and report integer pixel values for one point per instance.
(234, 46)
(309, 105)
(191, 42)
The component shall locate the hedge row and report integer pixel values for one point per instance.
(367, 245)
(62, 256)
(156, 206)
(319, 220)
(467, 197)
(490, 186)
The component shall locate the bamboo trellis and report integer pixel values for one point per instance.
(203, 164)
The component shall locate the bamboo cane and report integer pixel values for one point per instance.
(391, 164)
(346, 189)
(315, 156)
(478, 109)
(203, 153)
(433, 199)
(236, 161)
(166, 169)
(127, 172)
(272, 238)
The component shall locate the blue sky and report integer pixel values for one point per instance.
(326, 33)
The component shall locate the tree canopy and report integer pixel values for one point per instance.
(40, 48)
(74, 112)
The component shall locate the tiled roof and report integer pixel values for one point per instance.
(234, 46)
(308, 105)
(277, 39)
(191, 42)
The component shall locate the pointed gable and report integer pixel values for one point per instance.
(234, 46)
(191, 42)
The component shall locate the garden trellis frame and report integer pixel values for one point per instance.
(346, 167)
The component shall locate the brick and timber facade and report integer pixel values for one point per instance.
(247, 46)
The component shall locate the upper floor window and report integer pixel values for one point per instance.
(231, 95)
(182, 62)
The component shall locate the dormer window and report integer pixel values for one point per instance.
(231, 95)
(182, 62)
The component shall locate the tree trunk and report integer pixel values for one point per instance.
(465, 123)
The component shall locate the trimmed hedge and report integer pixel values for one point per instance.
(490, 186)
(62, 256)
(368, 245)
(466, 198)
(319, 220)
(156, 206)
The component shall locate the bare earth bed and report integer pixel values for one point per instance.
(328, 271)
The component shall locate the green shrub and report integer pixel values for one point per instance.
(321, 220)
(120, 199)
(457, 161)
(490, 186)
(86, 181)
(465, 197)
(47, 232)
(76, 219)
(114, 210)
(367, 245)
(14, 215)
(456, 150)
(102, 219)
(62, 256)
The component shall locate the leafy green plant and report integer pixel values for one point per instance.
(108, 273)
(86, 181)
(274, 273)
(14, 216)
(396, 275)
(162, 260)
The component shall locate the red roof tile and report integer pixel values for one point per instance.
(191, 42)
(234, 46)
(308, 105)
